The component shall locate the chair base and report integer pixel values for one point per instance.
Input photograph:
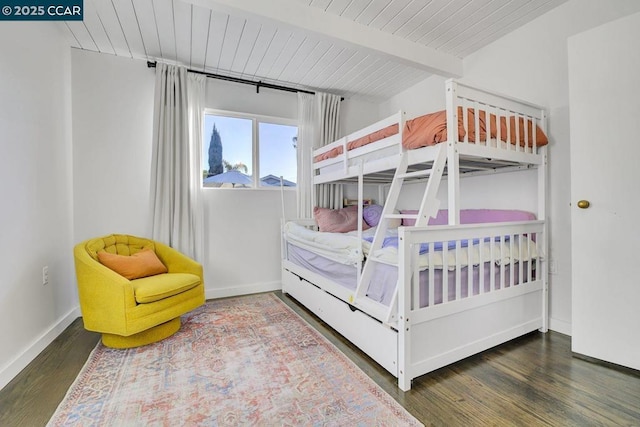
(155, 334)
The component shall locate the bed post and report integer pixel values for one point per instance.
(542, 215)
(404, 309)
(360, 219)
(381, 194)
(453, 167)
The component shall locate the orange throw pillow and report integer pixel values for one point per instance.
(141, 264)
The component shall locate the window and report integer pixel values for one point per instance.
(245, 151)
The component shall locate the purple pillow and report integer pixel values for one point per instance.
(371, 215)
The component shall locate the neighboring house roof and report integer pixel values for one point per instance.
(274, 181)
(231, 177)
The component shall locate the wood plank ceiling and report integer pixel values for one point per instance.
(370, 49)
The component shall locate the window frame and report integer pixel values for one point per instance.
(256, 119)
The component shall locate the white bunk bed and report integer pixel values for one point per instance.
(485, 285)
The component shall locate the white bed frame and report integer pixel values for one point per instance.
(405, 339)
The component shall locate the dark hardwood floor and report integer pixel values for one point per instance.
(533, 380)
(34, 394)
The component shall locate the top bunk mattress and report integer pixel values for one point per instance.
(431, 129)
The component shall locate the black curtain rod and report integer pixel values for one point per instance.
(258, 85)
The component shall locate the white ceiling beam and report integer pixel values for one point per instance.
(297, 16)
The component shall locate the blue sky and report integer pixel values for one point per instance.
(277, 154)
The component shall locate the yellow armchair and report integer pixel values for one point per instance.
(132, 313)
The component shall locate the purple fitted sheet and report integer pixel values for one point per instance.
(385, 277)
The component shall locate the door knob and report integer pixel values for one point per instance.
(583, 204)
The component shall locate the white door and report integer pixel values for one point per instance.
(604, 86)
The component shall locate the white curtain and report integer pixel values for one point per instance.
(197, 87)
(176, 211)
(328, 107)
(307, 119)
(328, 117)
(329, 195)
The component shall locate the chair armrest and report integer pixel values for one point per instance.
(177, 262)
(104, 294)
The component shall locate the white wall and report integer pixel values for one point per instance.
(356, 114)
(531, 63)
(112, 131)
(112, 124)
(35, 185)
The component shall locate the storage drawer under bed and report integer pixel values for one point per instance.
(375, 339)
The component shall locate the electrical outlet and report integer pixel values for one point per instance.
(45, 275)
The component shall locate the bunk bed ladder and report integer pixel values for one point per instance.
(428, 207)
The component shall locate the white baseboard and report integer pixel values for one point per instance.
(233, 291)
(13, 368)
(561, 326)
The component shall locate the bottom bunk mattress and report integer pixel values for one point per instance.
(385, 277)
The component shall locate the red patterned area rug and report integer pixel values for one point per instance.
(240, 361)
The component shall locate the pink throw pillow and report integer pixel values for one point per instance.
(409, 222)
(338, 220)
